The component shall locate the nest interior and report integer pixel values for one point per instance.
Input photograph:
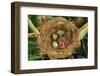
(71, 34)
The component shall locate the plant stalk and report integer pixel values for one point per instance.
(83, 31)
(31, 25)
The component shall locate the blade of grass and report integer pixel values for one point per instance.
(83, 31)
(84, 48)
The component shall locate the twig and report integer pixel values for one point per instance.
(43, 19)
(31, 34)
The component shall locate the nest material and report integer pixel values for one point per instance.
(71, 34)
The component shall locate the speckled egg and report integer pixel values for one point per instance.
(54, 36)
(60, 32)
(54, 44)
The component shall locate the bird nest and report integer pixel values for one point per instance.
(65, 44)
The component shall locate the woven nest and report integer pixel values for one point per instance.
(71, 35)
